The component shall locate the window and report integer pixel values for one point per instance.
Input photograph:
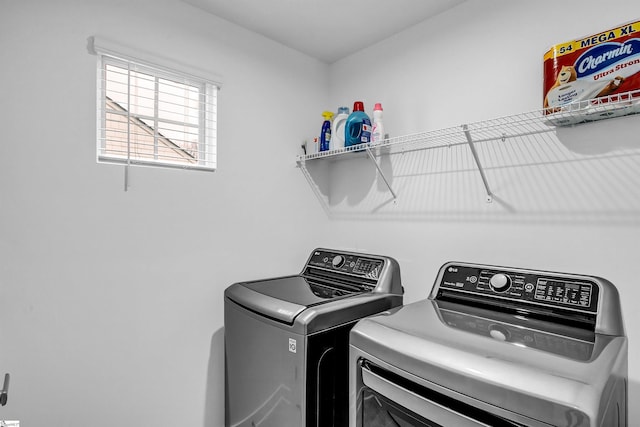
(152, 116)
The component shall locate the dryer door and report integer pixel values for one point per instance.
(389, 399)
(378, 411)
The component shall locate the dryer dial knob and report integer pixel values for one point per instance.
(500, 282)
(338, 261)
(499, 332)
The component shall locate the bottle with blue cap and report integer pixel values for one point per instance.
(337, 129)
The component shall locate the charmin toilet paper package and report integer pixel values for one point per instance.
(599, 65)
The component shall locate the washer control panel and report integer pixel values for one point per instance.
(346, 263)
(525, 287)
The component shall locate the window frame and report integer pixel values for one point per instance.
(207, 114)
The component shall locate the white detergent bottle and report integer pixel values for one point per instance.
(337, 129)
(377, 133)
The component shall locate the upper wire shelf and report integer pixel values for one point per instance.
(523, 124)
(519, 125)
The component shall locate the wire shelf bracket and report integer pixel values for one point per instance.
(384, 178)
(467, 134)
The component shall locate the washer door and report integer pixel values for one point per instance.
(284, 298)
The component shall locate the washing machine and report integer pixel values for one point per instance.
(494, 346)
(287, 338)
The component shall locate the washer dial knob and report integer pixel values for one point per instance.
(500, 282)
(338, 261)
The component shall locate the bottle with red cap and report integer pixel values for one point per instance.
(357, 129)
(377, 133)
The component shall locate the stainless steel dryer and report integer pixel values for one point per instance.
(494, 346)
(287, 339)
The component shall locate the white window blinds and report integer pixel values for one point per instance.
(154, 116)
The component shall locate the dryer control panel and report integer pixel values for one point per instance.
(522, 286)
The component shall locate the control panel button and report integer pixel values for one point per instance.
(338, 261)
(498, 333)
(500, 282)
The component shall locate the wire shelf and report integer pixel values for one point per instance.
(518, 125)
(514, 127)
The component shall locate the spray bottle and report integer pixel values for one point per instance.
(325, 134)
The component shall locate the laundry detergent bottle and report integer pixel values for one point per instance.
(337, 129)
(357, 129)
(325, 133)
(377, 133)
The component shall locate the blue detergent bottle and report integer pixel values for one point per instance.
(357, 130)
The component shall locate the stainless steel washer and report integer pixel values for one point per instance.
(494, 346)
(287, 339)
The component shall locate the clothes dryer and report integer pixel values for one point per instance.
(494, 346)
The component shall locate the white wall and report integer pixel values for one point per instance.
(111, 301)
(574, 208)
(105, 321)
